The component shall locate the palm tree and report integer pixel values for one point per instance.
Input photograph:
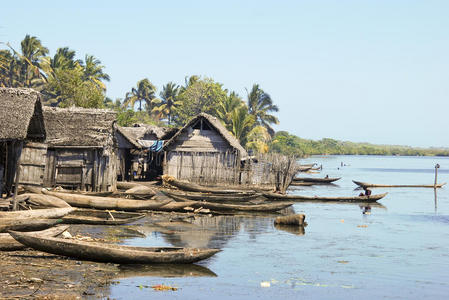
(32, 54)
(260, 105)
(64, 58)
(242, 123)
(226, 107)
(145, 92)
(166, 106)
(93, 71)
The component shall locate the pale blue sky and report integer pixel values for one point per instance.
(374, 71)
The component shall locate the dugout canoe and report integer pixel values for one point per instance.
(193, 187)
(300, 183)
(107, 202)
(125, 185)
(45, 213)
(198, 196)
(246, 207)
(365, 199)
(101, 217)
(371, 185)
(8, 243)
(112, 253)
(26, 224)
(316, 180)
(178, 206)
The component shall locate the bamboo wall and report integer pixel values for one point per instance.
(203, 167)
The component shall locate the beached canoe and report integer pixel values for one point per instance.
(8, 243)
(103, 252)
(26, 224)
(316, 180)
(365, 199)
(178, 206)
(125, 185)
(198, 196)
(107, 202)
(370, 185)
(140, 192)
(192, 187)
(45, 213)
(247, 206)
(101, 217)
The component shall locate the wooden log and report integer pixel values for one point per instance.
(297, 219)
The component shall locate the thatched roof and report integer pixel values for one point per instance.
(80, 127)
(145, 132)
(21, 115)
(219, 127)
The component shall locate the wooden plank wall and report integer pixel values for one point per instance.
(32, 164)
(83, 169)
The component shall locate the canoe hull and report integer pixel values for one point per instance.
(299, 198)
(107, 202)
(316, 180)
(8, 243)
(113, 253)
(26, 224)
(90, 216)
(48, 213)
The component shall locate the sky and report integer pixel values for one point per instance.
(362, 71)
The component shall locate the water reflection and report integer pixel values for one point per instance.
(297, 230)
(436, 200)
(165, 271)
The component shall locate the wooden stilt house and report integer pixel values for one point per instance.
(22, 131)
(81, 150)
(138, 155)
(204, 151)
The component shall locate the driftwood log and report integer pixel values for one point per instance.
(297, 219)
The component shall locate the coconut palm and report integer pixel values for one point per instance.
(260, 105)
(166, 106)
(64, 58)
(32, 54)
(144, 92)
(93, 71)
(242, 123)
(225, 108)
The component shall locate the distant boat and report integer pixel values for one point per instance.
(365, 199)
(104, 252)
(371, 185)
(316, 180)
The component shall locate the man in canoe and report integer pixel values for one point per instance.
(367, 192)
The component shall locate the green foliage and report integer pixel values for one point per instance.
(165, 107)
(199, 96)
(285, 143)
(144, 92)
(62, 79)
(260, 105)
(67, 88)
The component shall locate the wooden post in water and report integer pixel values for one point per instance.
(436, 175)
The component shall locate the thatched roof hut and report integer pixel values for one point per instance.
(79, 127)
(81, 148)
(204, 151)
(211, 123)
(136, 134)
(21, 115)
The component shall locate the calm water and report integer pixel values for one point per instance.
(400, 251)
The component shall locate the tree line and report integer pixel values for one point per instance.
(286, 143)
(65, 81)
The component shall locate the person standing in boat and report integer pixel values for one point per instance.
(367, 192)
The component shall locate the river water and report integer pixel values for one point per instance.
(399, 251)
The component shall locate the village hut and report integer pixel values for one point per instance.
(22, 131)
(204, 151)
(139, 150)
(81, 150)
